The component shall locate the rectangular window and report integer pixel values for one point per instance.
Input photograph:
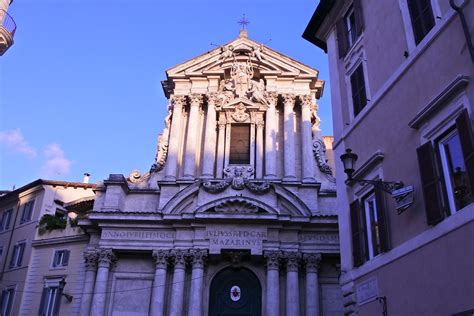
(5, 220)
(422, 19)
(349, 28)
(50, 301)
(17, 255)
(7, 301)
(359, 96)
(27, 211)
(239, 144)
(61, 258)
(372, 224)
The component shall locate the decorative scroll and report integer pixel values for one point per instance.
(163, 139)
(319, 150)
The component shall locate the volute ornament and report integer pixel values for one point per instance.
(319, 150)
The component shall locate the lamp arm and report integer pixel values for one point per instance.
(387, 186)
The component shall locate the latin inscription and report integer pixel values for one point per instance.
(236, 238)
(138, 235)
(319, 238)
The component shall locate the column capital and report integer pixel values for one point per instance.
(106, 257)
(178, 258)
(195, 99)
(288, 99)
(272, 98)
(260, 124)
(211, 98)
(198, 257)
(306, 101)
(90, 259)
(178, 101)
(312, 261)
(222, 123)
(273, 259)
(161, 258)
(292, 260)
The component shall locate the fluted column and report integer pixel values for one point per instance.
(171, 169)
(273, 282)
(220, 148)
(312, 261)
(289, 137)
(198, 258)
(259, 156)
(159, 283)
(191, 136)
(106, 259)
(270, 136)
(178, 258)
(210, 138)
(90, 261)
(292, 287)
(306, 139)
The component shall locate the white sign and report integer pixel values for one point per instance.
(367, 291)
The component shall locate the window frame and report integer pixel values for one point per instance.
(50, 304)
(249, 128)
(26, 217)
(17, 262)
(368, 224)
(63, 263)
(5, 224)
(359, 61)
(11, 300)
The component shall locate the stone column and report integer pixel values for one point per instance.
(159, 283)
(312, 261)
(292, 287)
(272, 306)
(289, 137)
(191, 136)
(210, 138)
(307, 157)
(220, 148)
(259, 157)
(178, 258)
(171, 169)
(198, 258)
(106, 259)
(90, 261)
(270, 136)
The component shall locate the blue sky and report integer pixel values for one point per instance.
(80, 89)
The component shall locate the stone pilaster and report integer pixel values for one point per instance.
(191, 136)
(259, 156)
(159, 282)
(171, 169)
(270, 136)
(311, 262)
(178, 259)
(221, 148)
(106, 258)
(291, 260)
(210, 138)
(273, 259)
(289, 137)
(306, 139)
(197, 258)
(91, 257)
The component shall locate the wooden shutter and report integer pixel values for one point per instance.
(431, 183)
(358, 16)
(358, 234)
(463, 124)
(55, 258)
(382, 219)
(341, 38)
(43, 301)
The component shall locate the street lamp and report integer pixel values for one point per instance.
(62, 284)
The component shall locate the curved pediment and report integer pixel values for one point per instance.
(236, 205)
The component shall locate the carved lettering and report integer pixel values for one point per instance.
(319, 238)
(232, 238)
(137, 235)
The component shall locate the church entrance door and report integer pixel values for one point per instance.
(235, 292)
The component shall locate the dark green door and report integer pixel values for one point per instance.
(235, 292)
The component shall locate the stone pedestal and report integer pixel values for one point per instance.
(289, 137)
(159, 283)
(106, 258)
(312, 285)
(171, 169)
(90, 261)
(273, 282)
(177, 291)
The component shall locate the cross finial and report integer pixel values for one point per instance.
(243, 22)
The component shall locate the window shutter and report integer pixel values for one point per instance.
(431, 183)
(43, 301)
(359, 17)
(20, 255)
(358, 233)
(382, 219)
(341, 38)
(66, 257)
(57, 301)
(12, 259)
(463, 124)
(55, 259)
(30, 213)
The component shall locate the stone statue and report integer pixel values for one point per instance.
(257, 91)
(241, 73)
(226, 91)
(226, 52)
(257, 52)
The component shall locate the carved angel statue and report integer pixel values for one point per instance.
(257, 52)
(257, 91)
(226, 52)
(226, 91)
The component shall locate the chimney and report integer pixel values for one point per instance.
(86, 177)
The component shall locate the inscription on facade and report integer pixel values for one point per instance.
(138, 235)
(325, 238)
(367, 291)
(223, 237)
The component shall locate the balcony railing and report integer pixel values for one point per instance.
(7, 22)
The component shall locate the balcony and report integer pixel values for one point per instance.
(7, 31)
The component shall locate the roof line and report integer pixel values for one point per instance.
(315, 23)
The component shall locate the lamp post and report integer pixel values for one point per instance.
(62, 284)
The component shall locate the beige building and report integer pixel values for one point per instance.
(7, 27)
(237, 214)
(402, 97)
(40, 253)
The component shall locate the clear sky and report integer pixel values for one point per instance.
(80, 89)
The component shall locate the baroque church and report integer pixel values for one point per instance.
(237, 215)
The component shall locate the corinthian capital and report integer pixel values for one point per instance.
(106, 257)
(272, 98)
(178, 101)
(161, 258)
(292, 260)
(195, 99)
(288, 99)
(273, 259)
(306, 100)
(211, 98)
(198, 257)
(178, 258)
(312, 261)
(90, 259)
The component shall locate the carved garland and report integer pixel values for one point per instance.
(237, 178)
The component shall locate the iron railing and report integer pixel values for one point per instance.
(7, 22)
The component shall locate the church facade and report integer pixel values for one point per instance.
(238, 213)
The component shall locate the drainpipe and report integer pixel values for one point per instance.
(459, 10)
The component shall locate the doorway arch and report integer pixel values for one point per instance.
(235, 291)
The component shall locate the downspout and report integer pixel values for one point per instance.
(11, 237)
(459, 10)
